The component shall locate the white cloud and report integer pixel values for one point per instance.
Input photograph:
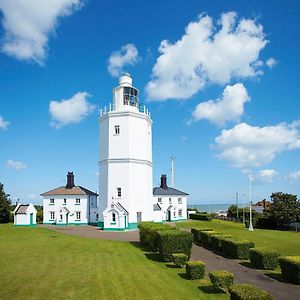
(229, 108)
(3, 123)
(271, 62)
(127, 55)
(71, 110)
(207, 54)
(246, 146)
(28, 24)
(294, 177)
(264, 176)
(17, 165)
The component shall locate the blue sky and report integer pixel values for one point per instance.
(223, 91)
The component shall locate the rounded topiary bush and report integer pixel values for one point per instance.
(264, 258)
(195, 269)
(221, 279)
(248, 292)
(179, 259)
(290, 268)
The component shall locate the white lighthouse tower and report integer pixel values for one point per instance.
(125, 166)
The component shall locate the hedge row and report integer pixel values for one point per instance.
(221, 279)
(216, 241)
(179, 259)
(248, 292)
(236, 248)
(195, 269)
(201, 217)
(264, 258)
(196, 234)
(290, 268)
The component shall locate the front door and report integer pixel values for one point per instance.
(139, 216)
(125, 221)
(169, 215)
(31, 219)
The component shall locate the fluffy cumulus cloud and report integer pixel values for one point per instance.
(207, 54)
(27, 25)
(71, 110)
(271, 62)
(3, 123)
(228, 108)
(17, 165)
(246, 146)
(294, 177)
(127, 55)
(264, 176)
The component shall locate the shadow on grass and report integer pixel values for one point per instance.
(154, 256)
(276, 275)
(184, 276)
(248, 264)
(172, 266)
(210, 289)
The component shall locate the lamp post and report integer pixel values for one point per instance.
(244, 208)
(250, 200)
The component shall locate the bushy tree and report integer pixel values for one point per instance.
(4, 206)
(284, 209)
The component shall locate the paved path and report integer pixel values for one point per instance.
(242, 274)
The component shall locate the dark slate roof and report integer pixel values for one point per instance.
(22, 209)
(159, 191)
(75, 190)
(156, 207)
(122, 207)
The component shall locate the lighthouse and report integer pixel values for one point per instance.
(125, 163)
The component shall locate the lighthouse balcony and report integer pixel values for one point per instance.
(111, 108)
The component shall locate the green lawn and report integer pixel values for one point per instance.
(37, 263)
(288, 243)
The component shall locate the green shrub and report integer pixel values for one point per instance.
(216, 241)
(196, 233)
(205, 237)
(264, 258)
(174, 241)
(201, 217)
(290, 268)
(179, 259)
(221, 279)
(195, 269)
(248, 292)
(265, 222)
(236, 248)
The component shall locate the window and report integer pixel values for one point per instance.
(97, 217)
(180, 212)
(119, 192)
(78, 201)
(170, 200)
(51, 201)
(117, 130)
(179, 200)
(174, 214)
(78, 215)
(60, 217)
(113, 217)
(65, 201)
(159, 200)
(52, 215)
(139, 216)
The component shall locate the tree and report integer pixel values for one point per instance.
(284, 209)
(4, 205)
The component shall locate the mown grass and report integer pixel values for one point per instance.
(37, 263)
(286, 242)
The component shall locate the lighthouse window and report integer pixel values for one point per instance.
(117, 130)
(119, 192)
(130, 96)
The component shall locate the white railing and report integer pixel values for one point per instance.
(110, 108)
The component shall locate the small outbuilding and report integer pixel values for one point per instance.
(25, 215)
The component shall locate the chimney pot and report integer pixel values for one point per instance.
(163, 182)
(70, 180)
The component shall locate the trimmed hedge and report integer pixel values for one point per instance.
(216, 241)
(148, 234)
(201, 217)
(205, 237)
(248, 292)
(174, 241)
(221, 279)
(236, 248)
(195, 269)
(196, 233)
(264, 258)
(290, 268)
(179, 259)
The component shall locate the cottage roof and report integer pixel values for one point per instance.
(22, 209)
(168, 191)
(75, 190)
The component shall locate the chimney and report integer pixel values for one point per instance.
(163, 182)
(70, 180)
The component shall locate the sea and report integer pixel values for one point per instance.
(211, 208)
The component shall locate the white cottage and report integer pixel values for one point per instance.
(70, 205)
(25, 215)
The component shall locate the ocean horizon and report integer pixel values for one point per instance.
(211, 208)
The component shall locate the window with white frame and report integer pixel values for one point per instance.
(179, 200)
(52, 215)
(117, 129)
(113, 217)
(170, 200)
(51, 201)
(180, 212)
(97, 217)
(119, 192)
(159, 200)
(174, 214)
(78, 215)
(65, 201)
(60, 217)
(77, 201)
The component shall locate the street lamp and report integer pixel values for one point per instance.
(250, 200)
(244, 208)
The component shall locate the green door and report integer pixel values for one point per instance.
(125, 221)
(31, 219)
